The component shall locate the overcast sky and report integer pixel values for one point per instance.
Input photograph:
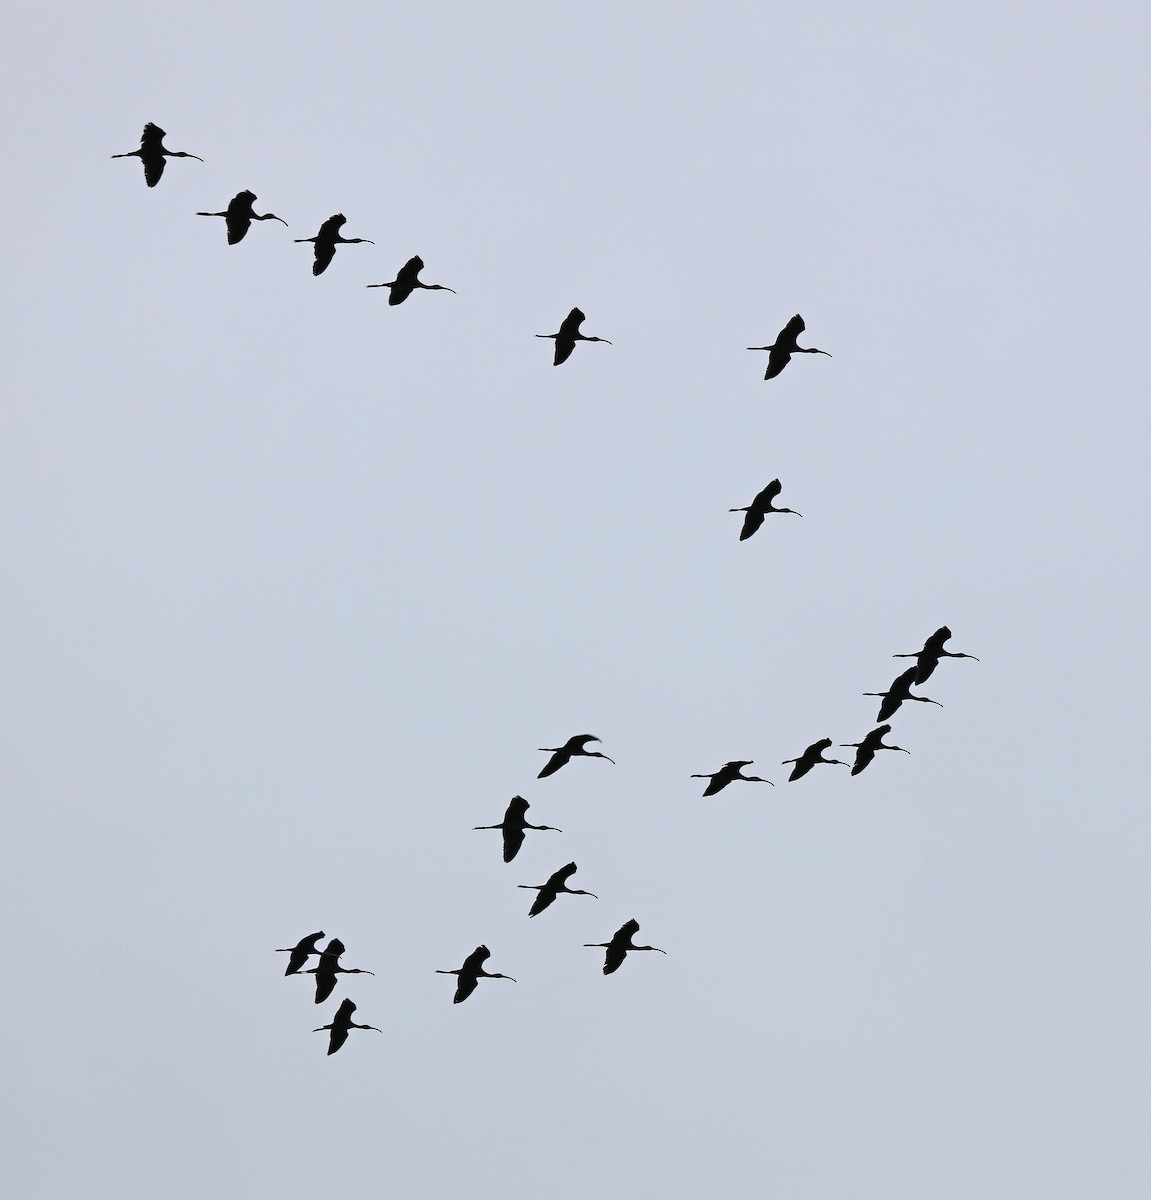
(296, 583)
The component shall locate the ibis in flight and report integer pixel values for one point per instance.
(240, 214)
(619, 946)
(899, 691)
(865, 750)
(557, 882)
(568, 335)
(470, 974)
(513, 825)
(341, 1023)
(927, 659)
(301, 952)
(152, 153)
(328, 967)
(729, 773)
(785, 346)
(759, 508)
(812, 756)
(574, 747)
(406, 282)
(326, 241)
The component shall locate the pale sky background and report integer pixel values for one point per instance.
(295, 583)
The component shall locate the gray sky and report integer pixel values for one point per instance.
(295, 583)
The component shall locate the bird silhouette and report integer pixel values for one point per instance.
(152, 153)
(341, 1023)
(574, 747)
(470, 974)
(326, 241)
(621, 942)
(240, 214)
(301, 952)
(513, 826)
(809, 758)
(328, 967)
(899, 691)
(406, 282)
(865, 750)
(729, 773)
(568, 335)
(557, 882)
(785, 346)
(927, 659)
(759, 508)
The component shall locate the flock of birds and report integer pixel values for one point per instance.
(238, 217)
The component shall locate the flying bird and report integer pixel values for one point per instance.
(865, 750)
(621, 942)
(785, 346)
(470, 974)
(328, 967)
(406, 282)
(809, 758)
(568, 335)
(341, 1023)
(759, 508)
(729, 773)
(301, 952)
(327, 240)
(557, 882)
(927, 659)
(152, 153)
(899, 691)
(574, 747)
(513, 826)
(240, 214)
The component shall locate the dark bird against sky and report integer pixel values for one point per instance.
(619, 946)
(865, 750)
(240, 214)
(513, 825)
(729, 773)
(471, 973)
(927, 659)
(785, 345)
(568, 335)
(406, 282)
(574, 747)
(811, 757)
(326, 241)
(152, 153)
(759, 508)
(329, 967)
(301, 952)
(899, 691)
(556, 883)
(340, 1025)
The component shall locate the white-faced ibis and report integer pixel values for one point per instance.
(406, 282)
(557, 882)
(865, 750)
(899, 691)
(574, 747)
(341, 1023)
(619, 946)
(759, 508)
(328, 967)
(513, 825)
(471, 973)
(927, 659)
(568, 335)
(326, 241)
(812, 756)
(240, 214)
(785, 346)
(729, 773)
(301, 952)
(152, 153)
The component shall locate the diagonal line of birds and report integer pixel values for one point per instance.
(238, 215)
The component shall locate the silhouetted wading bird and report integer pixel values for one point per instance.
(513, 826)
(152, 153)
(301, 952)
(729, 773)
(240, 214)
(812, 756)
(621, 942)
(340, 1025)
(406, 282)
(327, 240)
(568, 335)
(328, 967)
(899, 691)
(785, 346)
(471, 973)
(927, 659)
(759, 508)
(574, 747)
(865, 750)
(557, 882)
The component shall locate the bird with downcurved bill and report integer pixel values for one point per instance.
(574, 747)
(759, 508)
(151, 153)
(329, 967)
(406, 282)
(899, 691)
(340, 1025)
(568, 335)
(729, 773)
(326, 241)
(620, 945)
(811, 757)
(240, 214)
(470, 974)
(785, 345)
(865, 751)
(556, 883)
(301, 952)
(513, 825)
(927, 659)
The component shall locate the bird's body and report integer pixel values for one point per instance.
(568, 335)
(341, 1023)
(300, 952)
(574, 747)
(621, 942)
(729, 773)
(899, 691)
(407, 280)
(927, 659)
(470, 974)
(240, 214)
(811, 757)
(513, 826)
(151, 153)
(758, 509)
(785, 345)
(326, 241)
(865, 751)
(556, 883)
(329, 967)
